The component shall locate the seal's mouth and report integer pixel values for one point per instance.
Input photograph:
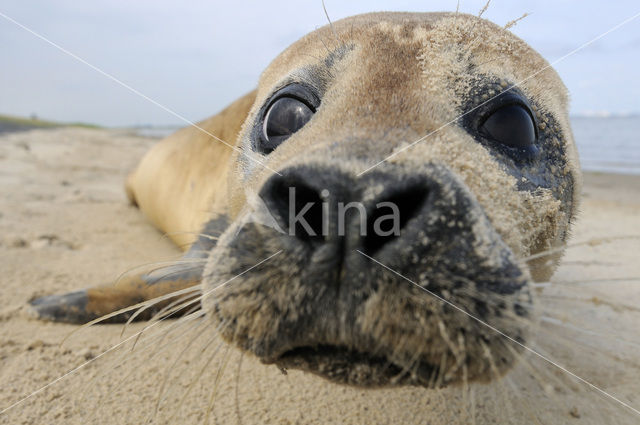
(348, 366)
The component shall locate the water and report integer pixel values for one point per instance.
(606, 144)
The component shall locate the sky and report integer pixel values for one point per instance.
(195, 57)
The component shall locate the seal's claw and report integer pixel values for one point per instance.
(69, 308)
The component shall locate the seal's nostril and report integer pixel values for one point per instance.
(391, 215)
(297, 207)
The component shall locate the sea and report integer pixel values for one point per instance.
(609, 144)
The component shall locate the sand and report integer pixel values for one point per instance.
(65, 224)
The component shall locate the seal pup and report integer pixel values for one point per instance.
(435, 114)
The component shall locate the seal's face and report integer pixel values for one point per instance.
(405, 294)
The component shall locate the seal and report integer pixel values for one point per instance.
(377, 219)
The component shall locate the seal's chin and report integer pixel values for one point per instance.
(348, 366)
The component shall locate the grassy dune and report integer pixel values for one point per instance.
(9, 124)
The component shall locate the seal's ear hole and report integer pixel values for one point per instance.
(511, 125)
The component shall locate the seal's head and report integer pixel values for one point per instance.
(474, 170)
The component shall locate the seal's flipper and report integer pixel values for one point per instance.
(132, 291)
(160, 287)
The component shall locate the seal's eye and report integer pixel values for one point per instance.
(511, 125)
(284, 117)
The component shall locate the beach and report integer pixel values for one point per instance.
(65, 224)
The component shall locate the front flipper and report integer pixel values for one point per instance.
(89, 304)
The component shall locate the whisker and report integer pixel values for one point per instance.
(497, 376)
(484, 9)
(609, 335)
(174, 261)
(202, 235)
(590, 242)
(527, 406)
(161, 396)
(160, 313)
(216, 383)
(594, 300)
(513, 23)
(193, 382)
(634, 279)
(125, 357)
(335, 34)
(194, 310)
(468, 395)
(165, 276)
(236, 397)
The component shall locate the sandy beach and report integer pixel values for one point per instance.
(65, 224)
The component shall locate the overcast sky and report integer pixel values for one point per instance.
(197, 56)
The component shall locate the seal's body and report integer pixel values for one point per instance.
(453, 124)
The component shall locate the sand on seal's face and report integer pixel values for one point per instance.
(65, 224)
(483, 207)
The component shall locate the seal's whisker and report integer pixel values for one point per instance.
(611, 334)
(165, 276)
(599, 345)
(514, 22)
(237, 387)
(590, 242)
(129, 308)
(158, 335)
(596, 281)
(324, 44)
(596, 299)
(194, 380)
(174, 261)
(535, 373)
(199, 234)
(531, 413)
(193, 311)
(216, 383)
(181, 302)
(175, 306)
(468, 395)
(125, 356)
(562, 388)
(488, 354)
(458, 356)
(160, 397)
(441, 370)
(484, 9)
(470, 31)
(160, 339)
(408, 366)
(326, 14)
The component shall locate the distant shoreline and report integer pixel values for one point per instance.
(590, 164)
(12, 124)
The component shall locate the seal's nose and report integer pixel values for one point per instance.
(295, 200)
(400, 202)
(317, 205)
